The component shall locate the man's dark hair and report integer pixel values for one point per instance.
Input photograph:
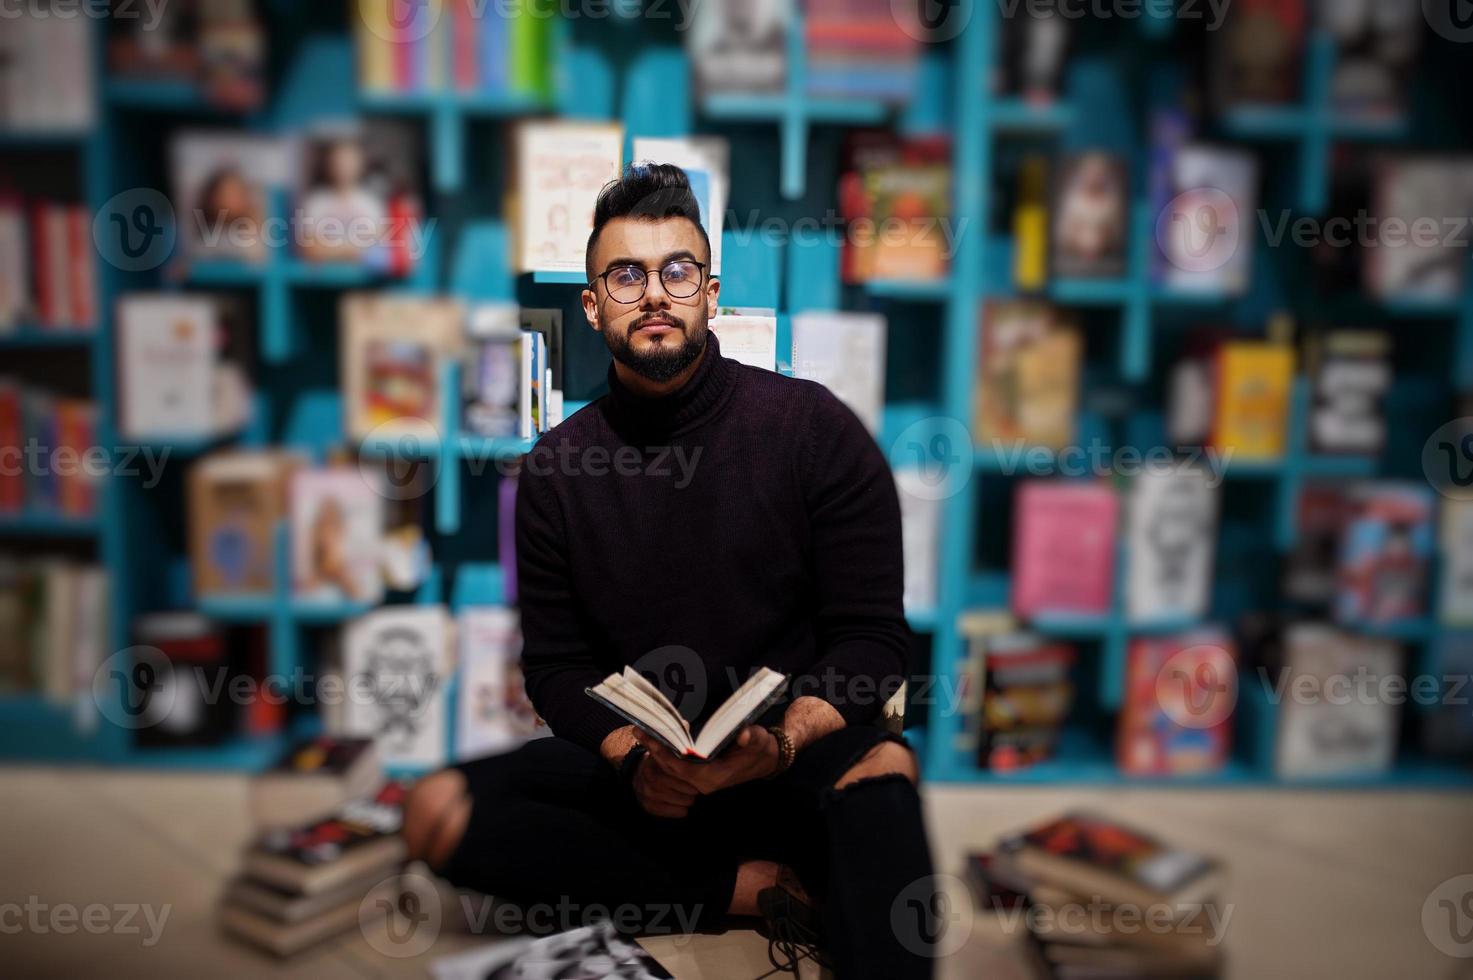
(646, 192)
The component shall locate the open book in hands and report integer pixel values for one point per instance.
(646, 707)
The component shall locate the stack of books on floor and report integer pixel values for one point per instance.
(304, 883)
(1101, 900)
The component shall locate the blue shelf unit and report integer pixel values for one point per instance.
(786, 150)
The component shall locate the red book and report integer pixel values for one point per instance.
(83, 277)
(12, 474)
(1179, 698)
(46, 302)
(1064, 548)
(464, 40)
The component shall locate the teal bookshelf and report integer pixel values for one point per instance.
(785, 158)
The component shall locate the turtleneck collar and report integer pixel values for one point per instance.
(699, 399)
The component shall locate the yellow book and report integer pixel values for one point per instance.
(375, 54)
(1254, 385)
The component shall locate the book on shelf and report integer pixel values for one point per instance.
(15, 267)
(1029, 368)
(458, 46)
(1026, 694)
(1312, 573)
(54, 282)
(642, 704)
(303, 884)
(183, 365)
(1376, 48)
(1207, 227)
(236, 500)
(1455, 591)
(978, 627)
(1030, 225)
(1385, 554)
(53, 629)
(1418, 193)
(1171, 533)
(1063, 548)
(217, 46)
(506, 534)
(401, 658)
(547, 325)
(739, 46)
(1179, 697)
(747, 334)
(392, 348)
(844, 352)
(313, 779)
(861, 49)
(1090, 216)
(1350, 373)
(1320, 732)
(178, 710)
(560, 169)
(1032, 54)
(358, 196)
(707, 161)
(222, 184)
(47, 82)
(1089, 855)
(920, 536)
(337, 535)
(491, 371)
(895, 194)
(58, 435)
(493, 713)
(1255, 59)
(1252, 385)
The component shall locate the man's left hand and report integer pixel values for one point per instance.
(753, 754)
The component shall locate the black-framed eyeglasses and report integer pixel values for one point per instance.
(626, 283)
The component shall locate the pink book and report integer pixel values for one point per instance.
(1063, 548)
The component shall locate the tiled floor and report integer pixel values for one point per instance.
(1322, 885)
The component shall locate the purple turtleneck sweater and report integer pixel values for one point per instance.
(748, 519)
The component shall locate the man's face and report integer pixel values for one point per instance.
(658, 335)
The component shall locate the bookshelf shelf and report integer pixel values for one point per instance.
(44, 525)
(42, 139)
(32, 336)
(163, 95)
(1092, 292)
(930, 291)
(568, 278)
(1018, 116)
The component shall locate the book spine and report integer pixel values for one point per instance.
(45, 302)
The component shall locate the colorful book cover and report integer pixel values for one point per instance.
(1028, 376)
(494, 714)
(1253, 382)
(337, 533)
(561, 167)
(392, 347)
(1385, 554)
(1180, 692)
(1026, 696)
(1257, 55)
(1091, 219)
(493, 49)
(1063, 548)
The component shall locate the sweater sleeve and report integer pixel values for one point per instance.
(557, 656)
(854, 520)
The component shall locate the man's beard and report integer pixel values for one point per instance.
(660, 362)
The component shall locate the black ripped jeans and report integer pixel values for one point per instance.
(554, 830)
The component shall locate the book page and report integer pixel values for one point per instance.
(737, 709)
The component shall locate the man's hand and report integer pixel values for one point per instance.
(661, 794)
(753, 754)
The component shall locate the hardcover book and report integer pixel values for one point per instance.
(1455, 597)
(392, 349)
(314, 778)
(1029, 367)
(845, 352)
(1385, 553)
(166, 358)
(401, 658)
(560, 169)
(1325, 735)
(236, 500)
(1091, 219)
(1172, 532)
(1179, 693)
(337, 536)
(1253, 385)
(1063, 548)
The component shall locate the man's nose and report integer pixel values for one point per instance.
(655, 297)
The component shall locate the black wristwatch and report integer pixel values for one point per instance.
(631, 762)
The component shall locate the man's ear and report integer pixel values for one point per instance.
(590, 309)
(713, 292)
